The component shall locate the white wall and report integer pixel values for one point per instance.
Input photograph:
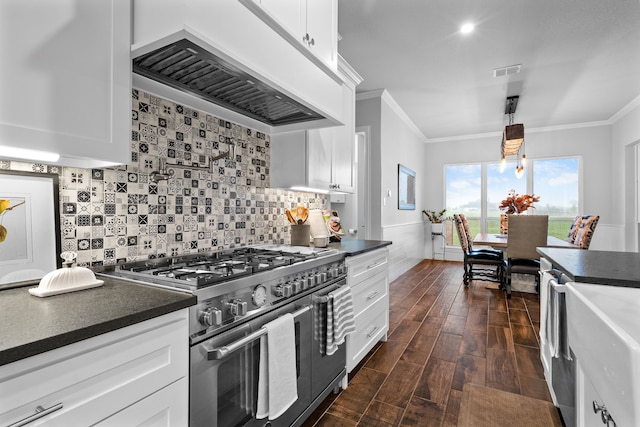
(394, 139)
(624, 173)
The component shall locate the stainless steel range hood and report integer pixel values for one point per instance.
(187, 67)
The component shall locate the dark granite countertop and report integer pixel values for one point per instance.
(600, 267)
(351, 247)
(30, 325)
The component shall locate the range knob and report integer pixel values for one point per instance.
(335, 272)
(237, 307)
(210, 317)
(297, 286)
(324, 277)
(283, 291)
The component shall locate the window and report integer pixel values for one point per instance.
(498, 184)
(556, 182)
(463, 185)
(477, 190)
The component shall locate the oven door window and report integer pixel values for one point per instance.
(237, 386)
(224, 392)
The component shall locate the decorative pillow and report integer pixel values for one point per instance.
(571, 237)
(585, 232)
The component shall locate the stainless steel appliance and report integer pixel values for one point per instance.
(238, 292)
(557, 359)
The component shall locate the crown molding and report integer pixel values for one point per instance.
(625, 110)
(385, 96)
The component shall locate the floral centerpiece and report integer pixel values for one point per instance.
(515, 204)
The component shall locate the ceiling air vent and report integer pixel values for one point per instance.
(507, 71)
(185, 66)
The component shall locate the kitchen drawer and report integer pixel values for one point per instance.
(367, 294)
(364, 266)
(98, 377)
(160, 409)
(371, 326)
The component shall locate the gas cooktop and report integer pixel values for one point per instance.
(201, 270)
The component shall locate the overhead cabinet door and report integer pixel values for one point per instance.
(65, 79)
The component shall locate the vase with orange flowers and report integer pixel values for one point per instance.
(515, 204)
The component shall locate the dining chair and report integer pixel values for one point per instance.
(485, 265)
(467, 232)
(582, 230)
(526, 233)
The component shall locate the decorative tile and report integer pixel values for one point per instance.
(116, 214)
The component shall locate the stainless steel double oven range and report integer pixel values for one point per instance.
(239, 291)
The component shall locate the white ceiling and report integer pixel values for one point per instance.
(580, 60)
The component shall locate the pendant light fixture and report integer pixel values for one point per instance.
(513, 139)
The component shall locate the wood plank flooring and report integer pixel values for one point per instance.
(442, 335)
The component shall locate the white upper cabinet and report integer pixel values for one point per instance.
(66, 79)
(319, 159)
(310, 25)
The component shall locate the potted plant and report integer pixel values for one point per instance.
(515, 204)
(436, 218)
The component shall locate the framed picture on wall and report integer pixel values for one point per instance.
(29, 226)
(406, 188)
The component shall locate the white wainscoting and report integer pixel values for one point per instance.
(407, 249)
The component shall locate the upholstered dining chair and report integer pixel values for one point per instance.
(582, 230)
(478, 264)
(526, 233)
(467, 232)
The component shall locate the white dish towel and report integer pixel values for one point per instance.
(545, 306)
(277, 382)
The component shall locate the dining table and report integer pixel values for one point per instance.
(499, 241)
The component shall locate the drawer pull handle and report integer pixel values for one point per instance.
(40, 412)
(373, 295)
(369, 267)
(373, 331)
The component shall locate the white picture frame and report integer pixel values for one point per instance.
(30, 232)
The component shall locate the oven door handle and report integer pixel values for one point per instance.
(561, 289)
(220, 353)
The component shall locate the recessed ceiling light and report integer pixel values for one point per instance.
(467, 28)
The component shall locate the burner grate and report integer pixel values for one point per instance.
(212, 268)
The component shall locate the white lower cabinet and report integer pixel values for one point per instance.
(159, 409)
(589, 405)
(369, 281)
(137, 374)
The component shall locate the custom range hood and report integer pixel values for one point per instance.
(220, 58)
(188, 67)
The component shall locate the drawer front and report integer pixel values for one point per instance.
(368, 293)
(371, 326)
(367, 265)
(96, 378)
(167, 407)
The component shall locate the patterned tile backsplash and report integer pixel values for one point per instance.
(119, 214)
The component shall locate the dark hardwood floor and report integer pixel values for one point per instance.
(442, 335)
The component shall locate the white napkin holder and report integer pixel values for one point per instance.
(69, 278)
